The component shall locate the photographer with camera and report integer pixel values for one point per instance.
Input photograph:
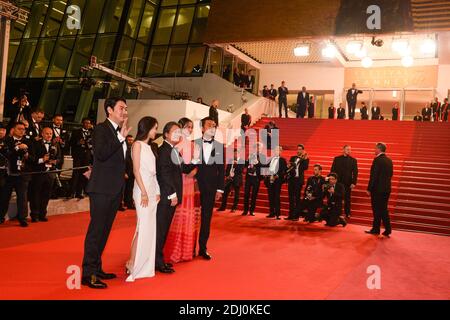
(298, 164)
(274, 181)
(233, 179)
(19, 154)
(334, 192)
(81, 146)
(47, 156)
(313, 198)
(255, 162)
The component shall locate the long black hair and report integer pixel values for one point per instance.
(144, 126)
(184, 121)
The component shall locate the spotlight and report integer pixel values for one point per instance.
(367, 62)
(428, 47)
(361, 53)
(401, 46)
(353, 47)
(302, 50)
(377, 42)
(407, 61)
(329, 51)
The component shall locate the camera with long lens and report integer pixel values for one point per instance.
(52, 156)
(309, 193)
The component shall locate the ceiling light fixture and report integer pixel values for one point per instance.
(353, 47)
(329, 51)
(428, 47)
(302, 50)
(367, 62)
(407, 61)
(401, 46)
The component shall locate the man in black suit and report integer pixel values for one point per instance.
(341, 112)
(352, 99)
(246, 120)
(60, 135)
(273, 93)
(20, 154)
(274, 181)
(376, 112)
(418, 117)
(364, 112)
(213, 113)
(34, 129)
(445, 110)
(255, 162)
(282, 99)
(313, 197)
(334, 192)
(426, 113)
(297, 166)
(209, 157)
(233, 179)
(21, 110)
(105, 188)
(81, 146)
(379, 189)
(47, 155)
(169, 169)
(302, 103)
(346, 168)
(331, 111)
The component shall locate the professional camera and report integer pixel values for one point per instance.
(309, 193)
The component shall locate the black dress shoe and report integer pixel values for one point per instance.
(80, 197)
(23, 223)
(34, 220)
(244, 213)
(372, 232)
(278, 218)
(221, 209)
(168, 265)
(164, 269)
(288, 218)
(233, 210)
(270, 216)
(252, 214)
(43, 219)
(386, 234)
(93, 282)
(106, 276)
(205, 255)
(121, 209)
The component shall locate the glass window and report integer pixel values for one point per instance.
(50, 96)
(183, 25)
(195, 56)
(146, 23)
(80, 56)
(175, 60)
(17, 29)
(165, 3)
(90, 20)
(164, 27)
(155, 65)
(111, 16)
(139, 56)
(131, 28)
(36, 19)
(187, 1)
(13, 47)
(61, 57)
(103, 48)
(24, 58)
(124, 56)
(68, 101)
(72, 17)
(42, 58)
(199, 24)
(54, 19)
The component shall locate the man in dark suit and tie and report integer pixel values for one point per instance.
(213, 113)
(376, 112)
(364, 112)
(346, 168)
(302, 103)
(246, 120)
(169, 168)
(255, 162)
(297, 166)
(426, 113)
(34, 129)
(21, 110)
(233, 179)
(282, 99)
(341, 112)
(209, 158)
(274, 181)
(105, 188)
(352, 99)
(379, 189)
(331, 111)
(60, 135)
(81, 146)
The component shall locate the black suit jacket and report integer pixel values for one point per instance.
(353, 97)
(381, 174)
(341, 113)
(375, 113)
(108, 171)
(281, 173)
(257, 167)
(426, 114)
(9, 152)
(364, 113)
(40, 151)
(346, 169)
(32, 131)
(302, 167)
(245, 120)
(331, 111)
(283, 92)
(80, 151)
(211, 176)
(238, 170)
(334, 200)
(303, 101)
(214, 114)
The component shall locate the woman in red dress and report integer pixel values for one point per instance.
(182, 236)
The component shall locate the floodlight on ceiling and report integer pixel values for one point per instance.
(302, 50)
(407, 61)
(353, 47)
(428, 47)
(329, 51)
(367, 62)
(401, 46)
(361, 53)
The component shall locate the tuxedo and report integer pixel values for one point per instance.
(418, 118)
(81, 149)
(105, 189)
(394, 114)
(436, 107)
(302, 104)
(333, 208)
(19, 162)
(341, 113)
(364, 113)
(331, 112)
(426, 114)
(246, 120)
(3, 163)
(445, 111)
(169, 170)
(252, 181)
(346, 167)
(352, 99)
(282, 100)
(311, 110)
(312, 199)
(277, 169)
(233, 180)
(64, 135)
(41, 185)
(296, 178)
(376, 112)
(210, 178)
(214, 114)
(34, 130)
(379, 186)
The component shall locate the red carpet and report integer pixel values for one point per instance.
(253, 258)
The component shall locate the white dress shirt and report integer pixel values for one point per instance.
(173, 195)
(274, 165)
(120, 137)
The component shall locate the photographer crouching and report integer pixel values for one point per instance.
(313, 198)
(334, 193)
(47, 157)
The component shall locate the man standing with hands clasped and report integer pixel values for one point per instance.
(105, 188)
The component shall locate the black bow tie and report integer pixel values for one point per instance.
(206, 141)
(118, 129)
(47, 142)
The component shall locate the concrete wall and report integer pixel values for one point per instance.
(443, 85)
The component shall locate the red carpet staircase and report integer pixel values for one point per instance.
(420, 199)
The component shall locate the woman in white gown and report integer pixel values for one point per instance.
(146, 196)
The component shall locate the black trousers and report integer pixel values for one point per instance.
(380, 212)
(282, 102)
(294, 188)
(445, 117)
(41, 187)
(20, 185)
(103, 210)
(79, 181)
(301, 111)
(207, 200)
(250, 193)
(274, 197)
(331, 216)
(164, 216)
(228, 187)
(347, 199)
(311, 206)
(351, 110)
(128, 193)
